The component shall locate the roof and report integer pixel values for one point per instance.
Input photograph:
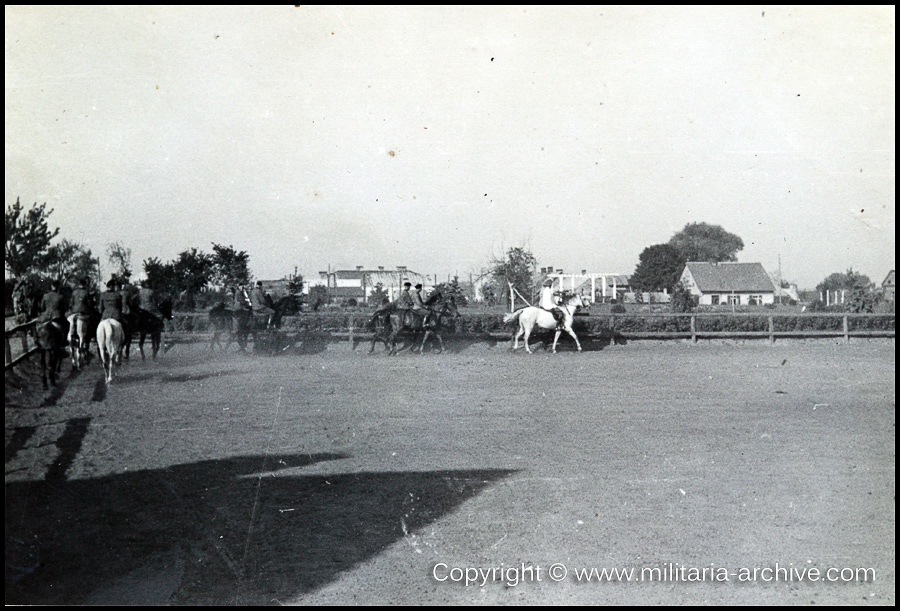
(889, 280)
(386, 278)
(730, 277)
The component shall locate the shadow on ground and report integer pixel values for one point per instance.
(239, 531)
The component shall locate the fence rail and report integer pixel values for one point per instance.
(638, 325)
(25, 352)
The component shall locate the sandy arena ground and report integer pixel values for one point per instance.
(339, 477)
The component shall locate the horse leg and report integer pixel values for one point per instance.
(424, 339)
(519, 333)
(555, 338)
(527, 331)
(572, 333)
(141, 343)
(44, 368)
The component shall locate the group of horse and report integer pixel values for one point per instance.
(112, 336)
(389, 325)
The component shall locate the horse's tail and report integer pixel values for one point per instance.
(512, 317)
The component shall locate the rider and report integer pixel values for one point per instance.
(259, 304)
(148, 301)
(53, 307)
(240, 305)
(82, 305)
(418, 305)
(549, 303)
(111, 301)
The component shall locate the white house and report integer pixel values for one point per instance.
(728, 283)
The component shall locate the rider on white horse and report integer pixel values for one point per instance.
(82, 305)
(549, 303)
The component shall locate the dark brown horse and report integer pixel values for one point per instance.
(392, 323)
(239, 325)
(49, 337)
(145, 324)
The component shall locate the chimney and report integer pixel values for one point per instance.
(359, 268)
(584, 272)
(381, 268)
(401, 268)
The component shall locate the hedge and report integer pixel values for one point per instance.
(480, 323)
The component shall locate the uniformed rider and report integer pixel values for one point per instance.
(259, 303)
(111, 302)
(548, 302)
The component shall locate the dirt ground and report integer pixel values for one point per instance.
(337, 477)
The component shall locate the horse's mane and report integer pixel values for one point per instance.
(434, 298)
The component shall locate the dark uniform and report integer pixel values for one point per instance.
(148, 302)
(53, 308)
(110, 305)
(260, 305)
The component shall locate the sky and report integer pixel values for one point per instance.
(437, 138)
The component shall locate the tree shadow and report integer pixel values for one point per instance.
(244, 531)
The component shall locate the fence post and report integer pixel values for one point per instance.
(612, 330)
(771, 329)
(8, 352)
(693, 328)
(351, 332)
(846, 330)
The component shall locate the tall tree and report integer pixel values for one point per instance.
(193, 270)
(120, 259)
(70, 262)
(705, 242)
(517, 267)
(230, 267)
(160, 276)
(660, 267)
(27, 238)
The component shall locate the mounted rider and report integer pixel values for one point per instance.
(82, 305)
(111, 301)
(549, 303)
(419, 306)
(53, 307)
(259, 303)
(148, 301)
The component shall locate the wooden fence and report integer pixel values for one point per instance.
(25, 351)
(644, 325)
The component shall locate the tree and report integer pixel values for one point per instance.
(27, 238)
(453, 289)
(230, 267)
(704, 242)
(120, 259)
(193, 270)
(660, 267)
(160, 276)
(859, 294)
(682, 299)
(294, 283)
(71, 263)
(517, 268)
(377, 295)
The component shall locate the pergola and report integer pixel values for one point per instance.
(576, 280)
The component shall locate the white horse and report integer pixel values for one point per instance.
(79, 339)
(530, 316)
(110, 338)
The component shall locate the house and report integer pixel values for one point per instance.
(887, 286)
(728, 283)
(358, 284)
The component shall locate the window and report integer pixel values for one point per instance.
(734, 300)
(754, 300)
(714, 299)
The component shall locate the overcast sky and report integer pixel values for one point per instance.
(437, 138)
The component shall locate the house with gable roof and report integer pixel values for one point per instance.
(728, 283)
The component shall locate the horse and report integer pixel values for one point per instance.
(247, 322)
(530, 316)
(82, 328)
(412, 321)
(110, 339)
(50, 338)
(221, 320)
(146, 324)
